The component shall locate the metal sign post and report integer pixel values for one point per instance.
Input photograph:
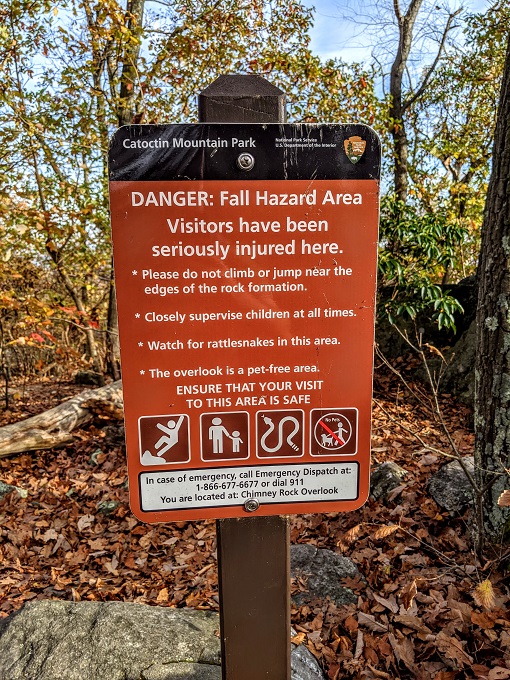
(245, 264)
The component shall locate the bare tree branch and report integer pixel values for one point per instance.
(428, 74)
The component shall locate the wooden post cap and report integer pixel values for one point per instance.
(241, 99)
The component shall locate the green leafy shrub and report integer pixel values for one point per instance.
(416, 253)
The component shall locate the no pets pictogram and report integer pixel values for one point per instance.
(333, 431)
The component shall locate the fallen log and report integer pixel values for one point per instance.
(54, 427)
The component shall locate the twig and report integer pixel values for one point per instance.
(411, 432)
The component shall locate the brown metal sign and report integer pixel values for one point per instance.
(246, 316)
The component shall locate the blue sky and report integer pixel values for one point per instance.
(335, 36)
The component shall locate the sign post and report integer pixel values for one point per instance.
(245, 262)
(253, 553)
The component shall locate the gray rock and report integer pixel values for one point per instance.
(7, 488)
(450, 488)
(384, 478)
(459, 375)
(303, 665)
(53, 640)
(323, 571)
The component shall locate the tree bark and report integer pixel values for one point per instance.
(406, 24)
(54, 427)
(129, 76)
(126, 111)
(112, 333)
(492, 368)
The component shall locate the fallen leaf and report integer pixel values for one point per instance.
(404, 650)
(499, 673)
(298, 639)
(412, 622)
(480, 671)
(359, 645)
(351, 624)
(483, 619)
(483, 594)
(352, 534)
(384, 532)
(453, 649)
(408, 594)
(162, 595)
(504, 499)
(389, 604)
(370, 622)
(49, 535)
(85, 521)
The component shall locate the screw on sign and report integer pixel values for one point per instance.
(245, 162)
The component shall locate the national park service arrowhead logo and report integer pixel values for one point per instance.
(354, 148)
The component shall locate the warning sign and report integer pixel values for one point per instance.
(246, 296)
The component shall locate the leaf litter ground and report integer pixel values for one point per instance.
(72, 537)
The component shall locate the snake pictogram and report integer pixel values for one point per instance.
(267, 420)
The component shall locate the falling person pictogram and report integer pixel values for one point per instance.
(169, 439)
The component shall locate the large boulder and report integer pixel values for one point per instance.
(459, 348)
(323, 572)
(53, 640)
(459, 376)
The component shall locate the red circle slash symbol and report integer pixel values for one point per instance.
(342, 443)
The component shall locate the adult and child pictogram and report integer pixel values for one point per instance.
(225, 436)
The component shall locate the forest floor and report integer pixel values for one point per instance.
(73, 537)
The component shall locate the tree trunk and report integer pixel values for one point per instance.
(492, 369)
(126, 111)
(129, 76)
(53, 428)
(112, 333)
(406, 24)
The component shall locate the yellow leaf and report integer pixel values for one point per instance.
(298, 639)
(433, 349)
(504, 499)
(162, 595)
(353, 533)
(384, 532)
(483, 594)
